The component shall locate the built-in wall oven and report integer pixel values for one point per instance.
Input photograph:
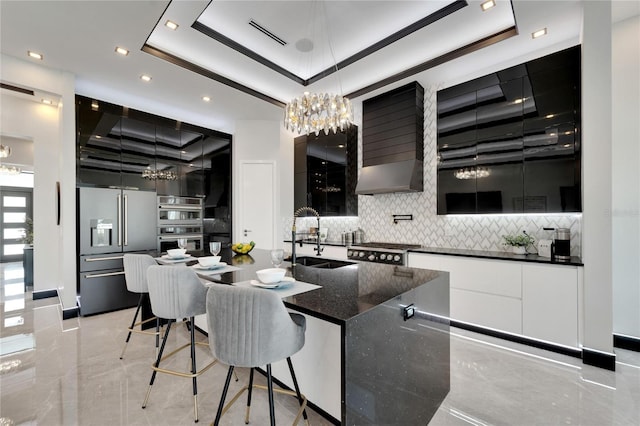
(180, 217)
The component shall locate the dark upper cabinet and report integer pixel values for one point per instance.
(508, 142)
(122, 147)
(325, 168)
(98, 151)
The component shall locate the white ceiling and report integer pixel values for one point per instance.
(81, 36)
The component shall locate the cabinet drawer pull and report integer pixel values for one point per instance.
(99, 259)
(106, 274)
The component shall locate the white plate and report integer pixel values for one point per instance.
(166, 256)
(206, 268)
(285, 281)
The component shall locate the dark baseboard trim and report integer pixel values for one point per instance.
(44, 294)
(310, 404)
(599, 359)
(626, 342)
(70, 313)
(577, 353)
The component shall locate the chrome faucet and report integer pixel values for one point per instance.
(318, 249)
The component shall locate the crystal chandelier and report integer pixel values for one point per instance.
(5, 151)
(470, 173)
(314, 112)
(159, 174)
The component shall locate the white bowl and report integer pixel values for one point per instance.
(208, 261)
(271, 275)
(176, 253)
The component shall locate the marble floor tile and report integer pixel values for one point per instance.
(55, 372)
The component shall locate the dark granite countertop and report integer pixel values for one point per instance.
(498, 255)
(346, 292)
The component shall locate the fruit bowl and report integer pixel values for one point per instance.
(242, 248)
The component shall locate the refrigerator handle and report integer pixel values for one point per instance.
(119, 220)
(125, 218)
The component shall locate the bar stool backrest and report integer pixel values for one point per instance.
(250, 327)
(175, 292)
(135, 271)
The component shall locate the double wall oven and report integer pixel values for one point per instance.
(180, 217)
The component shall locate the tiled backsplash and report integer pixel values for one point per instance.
(474, 232)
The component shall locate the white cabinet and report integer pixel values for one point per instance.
(550, 303)
(538, 301)
(487, 310)
(488, 294)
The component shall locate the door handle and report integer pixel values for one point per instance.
(126, 219)
(101, 259)
(106, 274)
(119, 220)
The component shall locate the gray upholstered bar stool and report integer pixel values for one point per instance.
(135, 274)
(177, 293)
(250, 327)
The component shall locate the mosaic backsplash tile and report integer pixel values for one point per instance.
(474, 232)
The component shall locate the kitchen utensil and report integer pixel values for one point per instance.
(271, 275)
(214, 247)
(277, 255)
(209, 261)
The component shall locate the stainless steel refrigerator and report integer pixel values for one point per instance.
(111, 222)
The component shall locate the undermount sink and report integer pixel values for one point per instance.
(318, 262)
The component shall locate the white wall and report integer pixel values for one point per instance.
(626, 177)
(52, 130)
(264, 140)
(596, 175)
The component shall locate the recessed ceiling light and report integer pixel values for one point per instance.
(539, 33)
(566, 145)
(549, 116)
(35, 55)
(122, 51)
(145, 77)
(206, 98)
(94, 105)
(568, 132)
(98, 137)
(519, 100)
(47, 101)
(487, 5)
(171, 25)
(183, 152)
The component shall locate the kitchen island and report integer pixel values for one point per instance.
(364, 361)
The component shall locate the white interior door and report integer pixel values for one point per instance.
(257, 203)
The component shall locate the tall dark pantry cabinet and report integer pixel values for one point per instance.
(127, 163)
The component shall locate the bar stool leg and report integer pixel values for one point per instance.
(157, 335)
(193, 370)
(216, 422)
(135, 317)
(157, 363)
(272, 414)
(295, 384)
(249, 391)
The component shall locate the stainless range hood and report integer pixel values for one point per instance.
(401, 176)
(393, 142)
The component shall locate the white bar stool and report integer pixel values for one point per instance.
(177, 293)
(250, 327)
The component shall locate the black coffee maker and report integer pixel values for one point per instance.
(561, 249)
